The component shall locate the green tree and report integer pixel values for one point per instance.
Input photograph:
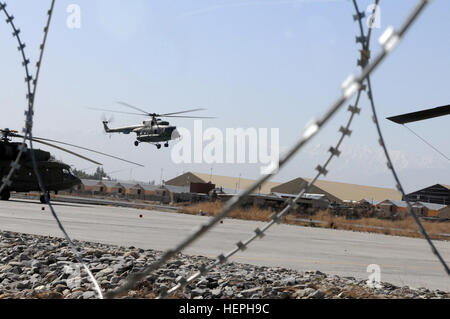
(98, 175)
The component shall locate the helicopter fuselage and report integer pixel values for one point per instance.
(55, 175)
(155, 131)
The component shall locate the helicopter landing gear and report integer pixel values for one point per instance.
(136, 143)
(166, 144)
(43, 200)
(5, 195)
(158, 146)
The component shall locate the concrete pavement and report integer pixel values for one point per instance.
(403, 261)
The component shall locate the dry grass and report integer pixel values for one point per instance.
(212, 209)
(406, 227)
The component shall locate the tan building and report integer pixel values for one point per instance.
(429, 209)
(137, 191)
(225, 182)
(391, 208)
(109, 185)
(339, 192)
(118, 189)
(92, 186)
(444, 212)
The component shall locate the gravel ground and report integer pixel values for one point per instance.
(44, 267)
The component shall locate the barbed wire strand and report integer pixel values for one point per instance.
(399, 186)
(390, 39)
(391, 167)
(28, 132)
(321, 170)
(7, 180)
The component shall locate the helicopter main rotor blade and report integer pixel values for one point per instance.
(188, 111)
(189, 117)
(8, 131)
(165, 114)
(135, 108)
(105, 110)
(421, 115)
(88, 149)
(64, 150)
(46, 140)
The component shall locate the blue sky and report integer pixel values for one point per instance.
(250, 63)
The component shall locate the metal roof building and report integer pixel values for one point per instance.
(437, 194)
(226, 182)
(334, 191)
(339, 192)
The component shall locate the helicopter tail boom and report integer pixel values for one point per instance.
(105, 125)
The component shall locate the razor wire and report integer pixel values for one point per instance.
(389, 40)
(399, 186)
(31, 89)
(290, 204)
(6, 181)
(391, 167)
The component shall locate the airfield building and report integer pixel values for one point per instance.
(437, 194)
(339, 192)
(232, 184)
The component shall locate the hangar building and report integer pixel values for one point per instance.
(437, 194)
(339, 192)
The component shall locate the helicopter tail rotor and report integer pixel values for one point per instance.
(107, 119)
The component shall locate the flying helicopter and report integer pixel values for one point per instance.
(154, 131)
(56, 175)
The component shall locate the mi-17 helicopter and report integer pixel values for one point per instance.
(154, 131)
(55, 175)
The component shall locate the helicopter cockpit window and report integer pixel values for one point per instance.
(66, 173)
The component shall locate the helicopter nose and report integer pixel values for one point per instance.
(75, 180)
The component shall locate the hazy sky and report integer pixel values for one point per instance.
(262, 64)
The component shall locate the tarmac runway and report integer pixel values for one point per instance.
(403, 261)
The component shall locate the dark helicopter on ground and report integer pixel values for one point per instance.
(154, 131)
(55, 175)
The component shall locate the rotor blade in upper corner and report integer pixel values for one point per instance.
(105, 110)
(188, 111)
(88, 149)
(134, 107)
(421, 115)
